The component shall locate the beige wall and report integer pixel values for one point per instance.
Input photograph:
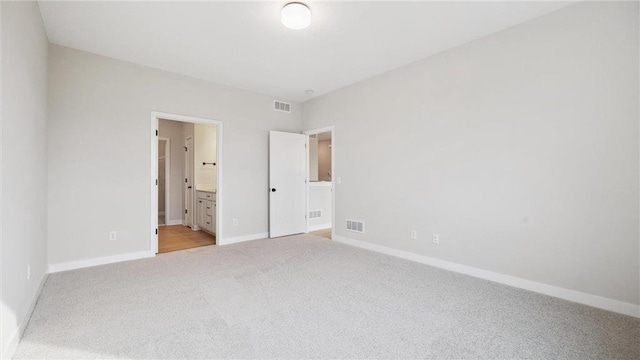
(313, 159)
(110, 102)
(24, 163)
(521, 149)
(324, 160)
(205, 151)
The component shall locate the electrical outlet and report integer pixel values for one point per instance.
(235, 221)
(414, 235)
(28, 272)
(436, 239)
(113, 235)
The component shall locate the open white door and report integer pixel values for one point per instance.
(287, 183)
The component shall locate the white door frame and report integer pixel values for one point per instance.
(167, 177)
(189, 173)
(155, 116)
(331, 129)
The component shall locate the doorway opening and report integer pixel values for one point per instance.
(186, 178)
(320, 187)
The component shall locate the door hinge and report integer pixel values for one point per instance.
(156, 182)
(156, 132)
(156, 231)
(185, 211)
(185, 180)
(185, 148)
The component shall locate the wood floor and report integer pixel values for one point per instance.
(179, 237)
(325, 233)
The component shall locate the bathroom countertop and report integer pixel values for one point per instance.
(207, 190)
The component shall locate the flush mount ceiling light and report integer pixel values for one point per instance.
(295, 16)
(309, 92)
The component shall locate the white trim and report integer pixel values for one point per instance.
(79, 264)
(189, 173)
(321, 130)
(153, 206)
(17, 335)
(320, 183)
(555, 291)
(242, 238)
(153, 235)
(167, 177)
(319, 227)
(333, 174)
(174, 222)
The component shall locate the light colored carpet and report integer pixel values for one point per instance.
(308, 297)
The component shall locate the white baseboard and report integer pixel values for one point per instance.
(79, 264)
(319, 227)
(17, 335)
(174, 222)
(242, 238)
(555, 291)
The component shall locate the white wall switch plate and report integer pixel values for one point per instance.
(414, 235)
(113, 235)
(436, 238)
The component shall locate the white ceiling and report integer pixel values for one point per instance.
(243, 44)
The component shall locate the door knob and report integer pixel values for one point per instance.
(273, 189)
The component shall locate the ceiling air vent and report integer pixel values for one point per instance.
(281, 106)
(355, 225)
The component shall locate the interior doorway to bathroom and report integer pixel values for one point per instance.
(187, 180)
(320, 194)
